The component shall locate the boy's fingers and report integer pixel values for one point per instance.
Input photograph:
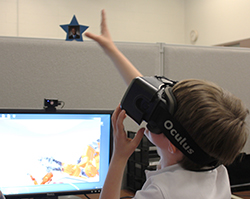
(138, 137)
(103, 16)
(91, 36)
(103, 24)
(115, 116)
(120, 119)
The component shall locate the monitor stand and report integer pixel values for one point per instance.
(62, 197)
(72, 197)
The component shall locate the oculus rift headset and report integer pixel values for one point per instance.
(150, 99)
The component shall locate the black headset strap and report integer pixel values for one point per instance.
(180, 138)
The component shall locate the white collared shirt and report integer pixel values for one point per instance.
(177, 183)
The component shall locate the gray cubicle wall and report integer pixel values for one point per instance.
(78, 73)
(228, 67)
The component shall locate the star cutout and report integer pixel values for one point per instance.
(74, 30)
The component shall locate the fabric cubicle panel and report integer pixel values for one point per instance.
(227, 67)
(78, 73)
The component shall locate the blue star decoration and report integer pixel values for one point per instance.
(74, 30)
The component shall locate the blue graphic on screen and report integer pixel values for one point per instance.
(53, 152)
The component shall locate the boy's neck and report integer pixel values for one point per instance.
(168, 159)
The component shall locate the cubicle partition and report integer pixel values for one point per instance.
(81, 75)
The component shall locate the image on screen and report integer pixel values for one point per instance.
(53, 152)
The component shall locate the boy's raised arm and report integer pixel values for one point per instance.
(123, 65)
(123, 146)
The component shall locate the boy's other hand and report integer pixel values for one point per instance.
(123, 146)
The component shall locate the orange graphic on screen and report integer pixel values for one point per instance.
(87, 167)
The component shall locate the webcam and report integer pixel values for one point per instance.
(51, 104)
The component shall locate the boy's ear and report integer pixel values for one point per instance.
(171, 148)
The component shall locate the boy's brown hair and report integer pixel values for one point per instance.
(213, 117)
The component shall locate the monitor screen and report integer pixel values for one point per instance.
(54, 153)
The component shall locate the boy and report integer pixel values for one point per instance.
(214, 118)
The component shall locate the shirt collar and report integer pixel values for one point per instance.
(163, 170)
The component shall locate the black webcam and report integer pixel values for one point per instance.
(51, 104)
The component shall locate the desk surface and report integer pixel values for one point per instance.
(242, 194)
(96, 196)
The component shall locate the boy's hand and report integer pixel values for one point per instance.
(104, 40)
(123, 146)
(124, 66)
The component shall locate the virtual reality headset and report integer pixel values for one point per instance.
(151, 99)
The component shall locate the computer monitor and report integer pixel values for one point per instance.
(63, 152)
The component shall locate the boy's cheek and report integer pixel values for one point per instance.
(149, 135)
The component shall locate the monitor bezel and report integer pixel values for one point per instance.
(60, 111)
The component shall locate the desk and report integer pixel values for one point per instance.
(242, 194)
(96, 196)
